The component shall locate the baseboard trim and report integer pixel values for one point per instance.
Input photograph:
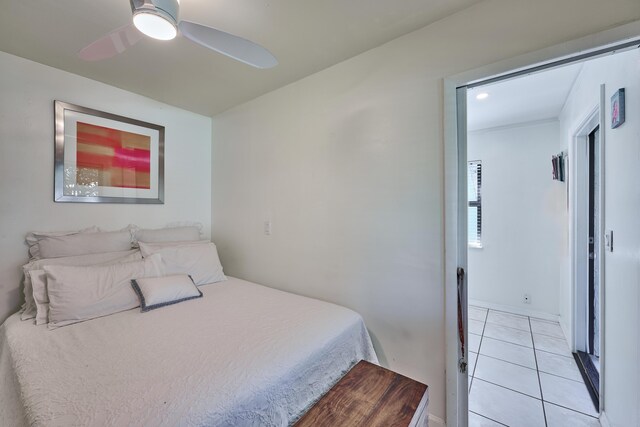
(436, 421)
(604, 420)
(515, 310)
(566, 329)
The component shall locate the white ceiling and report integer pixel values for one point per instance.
(533, 97)
(305, 35)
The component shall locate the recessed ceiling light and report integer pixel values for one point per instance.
(481, 96)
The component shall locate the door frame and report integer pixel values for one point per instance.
(455, 238)
(578, 212)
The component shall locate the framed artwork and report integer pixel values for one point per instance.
(105, 158)
(617, 109)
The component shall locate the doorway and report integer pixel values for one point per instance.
(460, 205)
(518, 262)
(589, 254)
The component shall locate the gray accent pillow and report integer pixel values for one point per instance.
(156, 292)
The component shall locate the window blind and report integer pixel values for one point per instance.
(474, 196)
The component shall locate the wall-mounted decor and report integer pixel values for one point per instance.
(105, 158)
(617, 109)
(559, 167)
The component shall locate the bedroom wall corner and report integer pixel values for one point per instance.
(347, 166)
(26, 163)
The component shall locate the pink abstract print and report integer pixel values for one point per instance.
(112, 158)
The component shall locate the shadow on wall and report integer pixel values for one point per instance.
(382, 358)
(15, 294)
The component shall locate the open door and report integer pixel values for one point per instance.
(461, 272)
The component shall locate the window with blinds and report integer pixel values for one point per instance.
(474, 210)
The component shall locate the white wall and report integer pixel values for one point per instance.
(622, 204)
(348, 165)
(28, 90)
(524, 218)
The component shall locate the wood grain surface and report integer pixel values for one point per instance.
(368, 395)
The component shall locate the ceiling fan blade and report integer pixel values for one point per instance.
(232, 46)
(112, 44)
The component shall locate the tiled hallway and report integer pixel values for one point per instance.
(522, 374)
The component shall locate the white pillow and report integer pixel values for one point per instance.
(198, 259)
(39, 283)
(81, 260)
(85, 243)
(33, 238)
(156, 292)
(169, 234)
(40, 296)
(83, 293)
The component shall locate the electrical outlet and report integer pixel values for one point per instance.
(526, 299)
(267, 228)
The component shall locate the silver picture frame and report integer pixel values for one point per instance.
(60, 168)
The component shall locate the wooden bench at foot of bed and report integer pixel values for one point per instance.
(369, 395)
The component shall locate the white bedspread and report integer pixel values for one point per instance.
(244, 355)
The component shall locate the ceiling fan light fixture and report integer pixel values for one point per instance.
(159, 19)
(155, 25)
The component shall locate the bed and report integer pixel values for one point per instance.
(243, 355)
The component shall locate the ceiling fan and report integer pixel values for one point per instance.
(159, 19)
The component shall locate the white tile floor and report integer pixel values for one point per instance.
(522, 374)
